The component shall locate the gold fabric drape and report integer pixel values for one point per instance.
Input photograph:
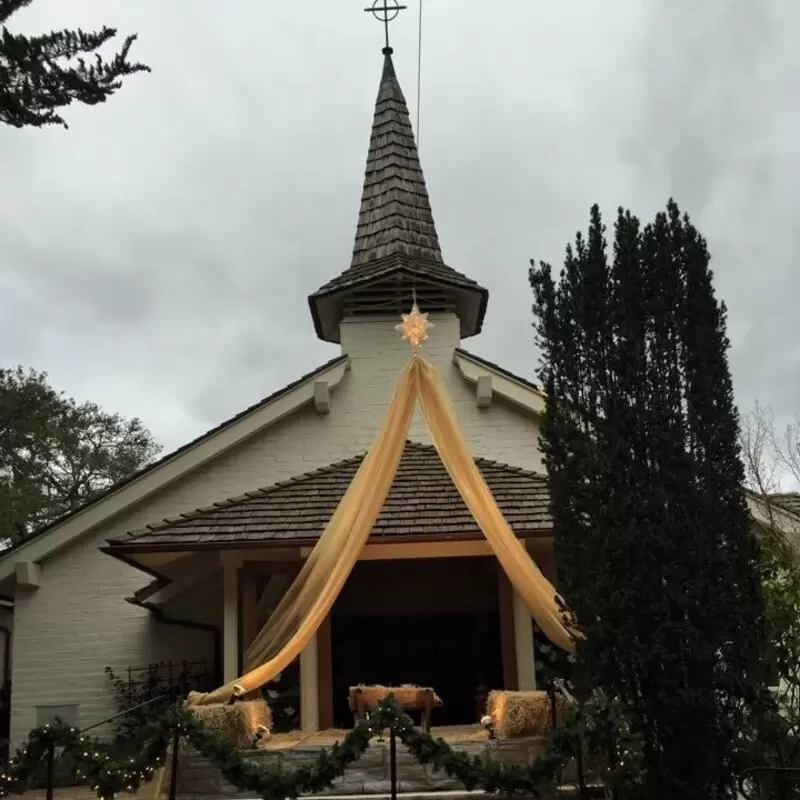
(537, 592)
(309, 599)
(313, 593)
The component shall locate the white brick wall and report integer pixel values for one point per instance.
(78, 622)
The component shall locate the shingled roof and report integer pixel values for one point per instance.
(423, 502)
(396, 233)
(395, 215)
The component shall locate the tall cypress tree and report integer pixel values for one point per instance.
(656, 558)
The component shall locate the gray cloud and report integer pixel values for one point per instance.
(157, 256)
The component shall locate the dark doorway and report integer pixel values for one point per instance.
(454, 653)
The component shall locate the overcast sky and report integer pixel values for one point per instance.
(157, 256)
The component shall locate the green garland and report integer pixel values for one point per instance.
(109, 777)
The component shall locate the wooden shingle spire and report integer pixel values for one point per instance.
(395, 215)
(396, 256)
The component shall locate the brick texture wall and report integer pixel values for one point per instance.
(78, 621)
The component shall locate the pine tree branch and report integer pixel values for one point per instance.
(41, 74)
(8, 7)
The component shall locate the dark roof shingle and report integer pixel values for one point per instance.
(395, 215)
(422, 502)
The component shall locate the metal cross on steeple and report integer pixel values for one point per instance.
(385, 11)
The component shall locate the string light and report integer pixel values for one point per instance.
(109, 778)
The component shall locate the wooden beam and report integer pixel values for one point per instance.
(505, 602)
(325, 674)
(457, 549)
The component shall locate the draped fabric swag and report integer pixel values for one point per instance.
(313, 593)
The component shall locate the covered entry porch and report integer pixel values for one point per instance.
(248, 551)
(430, 613)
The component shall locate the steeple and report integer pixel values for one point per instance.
(395, 216)
(396, 252)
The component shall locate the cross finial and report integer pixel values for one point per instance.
(385, 11)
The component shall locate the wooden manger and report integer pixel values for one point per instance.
(363, 699)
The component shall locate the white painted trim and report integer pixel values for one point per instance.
(230, 623)
(171, 470)
(514, 391)
(309, 686)
(390, 551)
(523, 646)
(381, 551)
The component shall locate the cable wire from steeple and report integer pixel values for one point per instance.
(419, 66)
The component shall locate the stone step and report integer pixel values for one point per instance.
(568, 790)
(460, 794)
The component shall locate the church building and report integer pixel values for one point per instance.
(186, 560)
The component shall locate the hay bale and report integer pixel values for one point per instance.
(238, 722)
(516, 714)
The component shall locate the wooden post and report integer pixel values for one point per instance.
(325, 674)
(523, 639)
(230, 622)
(505, 602)
(248, 602)
(309, 686)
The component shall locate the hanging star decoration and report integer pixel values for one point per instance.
(414, 327)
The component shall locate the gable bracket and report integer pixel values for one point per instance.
(483, 391)
(28, 574)
(491, 382)
(322, 397)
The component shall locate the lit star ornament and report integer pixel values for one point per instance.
(414, 327)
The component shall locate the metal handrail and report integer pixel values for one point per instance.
(51, 750)
(119, 714)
